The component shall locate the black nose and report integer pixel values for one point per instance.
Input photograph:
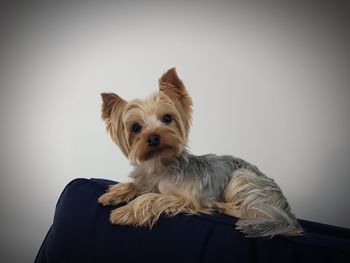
(153, 140)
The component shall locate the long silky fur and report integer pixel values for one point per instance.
(264, 210)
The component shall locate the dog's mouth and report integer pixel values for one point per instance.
(157, 152)
(169, 146)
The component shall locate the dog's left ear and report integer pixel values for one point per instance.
(172, 85)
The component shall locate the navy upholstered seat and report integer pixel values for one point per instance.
(81, 232)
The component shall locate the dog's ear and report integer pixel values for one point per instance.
(172, 85)
(110, 101)
(112, 110)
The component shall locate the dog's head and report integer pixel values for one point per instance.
(152, 128)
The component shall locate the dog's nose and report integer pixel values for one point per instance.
(153, 140)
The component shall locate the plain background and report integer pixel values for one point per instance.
(270, 84)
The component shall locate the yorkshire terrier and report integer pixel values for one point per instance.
(167, 179)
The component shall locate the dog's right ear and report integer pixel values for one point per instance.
(111, 102)
(172, 85)
(112, 109)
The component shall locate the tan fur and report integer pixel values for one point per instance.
(172, 85)
(119, 193)
(171, 144)
(146, 209)
(172, 99)
(138, 212)
(112, 109)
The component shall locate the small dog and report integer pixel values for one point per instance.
(167, 179)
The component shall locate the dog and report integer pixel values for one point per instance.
(168, 179)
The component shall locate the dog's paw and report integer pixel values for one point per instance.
(109, 199)
(119, 193)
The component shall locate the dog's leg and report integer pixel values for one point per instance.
(137, 213)
(119, 193)
(146, 209)
(261, 206)
(227, 209)
(172, 204)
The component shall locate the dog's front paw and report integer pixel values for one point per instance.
(108, 199)
(119, 193)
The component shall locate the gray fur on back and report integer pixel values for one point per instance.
(211, 172)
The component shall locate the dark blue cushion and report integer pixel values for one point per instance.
(81, 232)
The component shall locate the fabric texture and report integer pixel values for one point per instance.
(81, 232)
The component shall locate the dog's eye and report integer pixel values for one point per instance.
(136, 128)
(167, 119)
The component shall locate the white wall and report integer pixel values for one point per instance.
(269, 83)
